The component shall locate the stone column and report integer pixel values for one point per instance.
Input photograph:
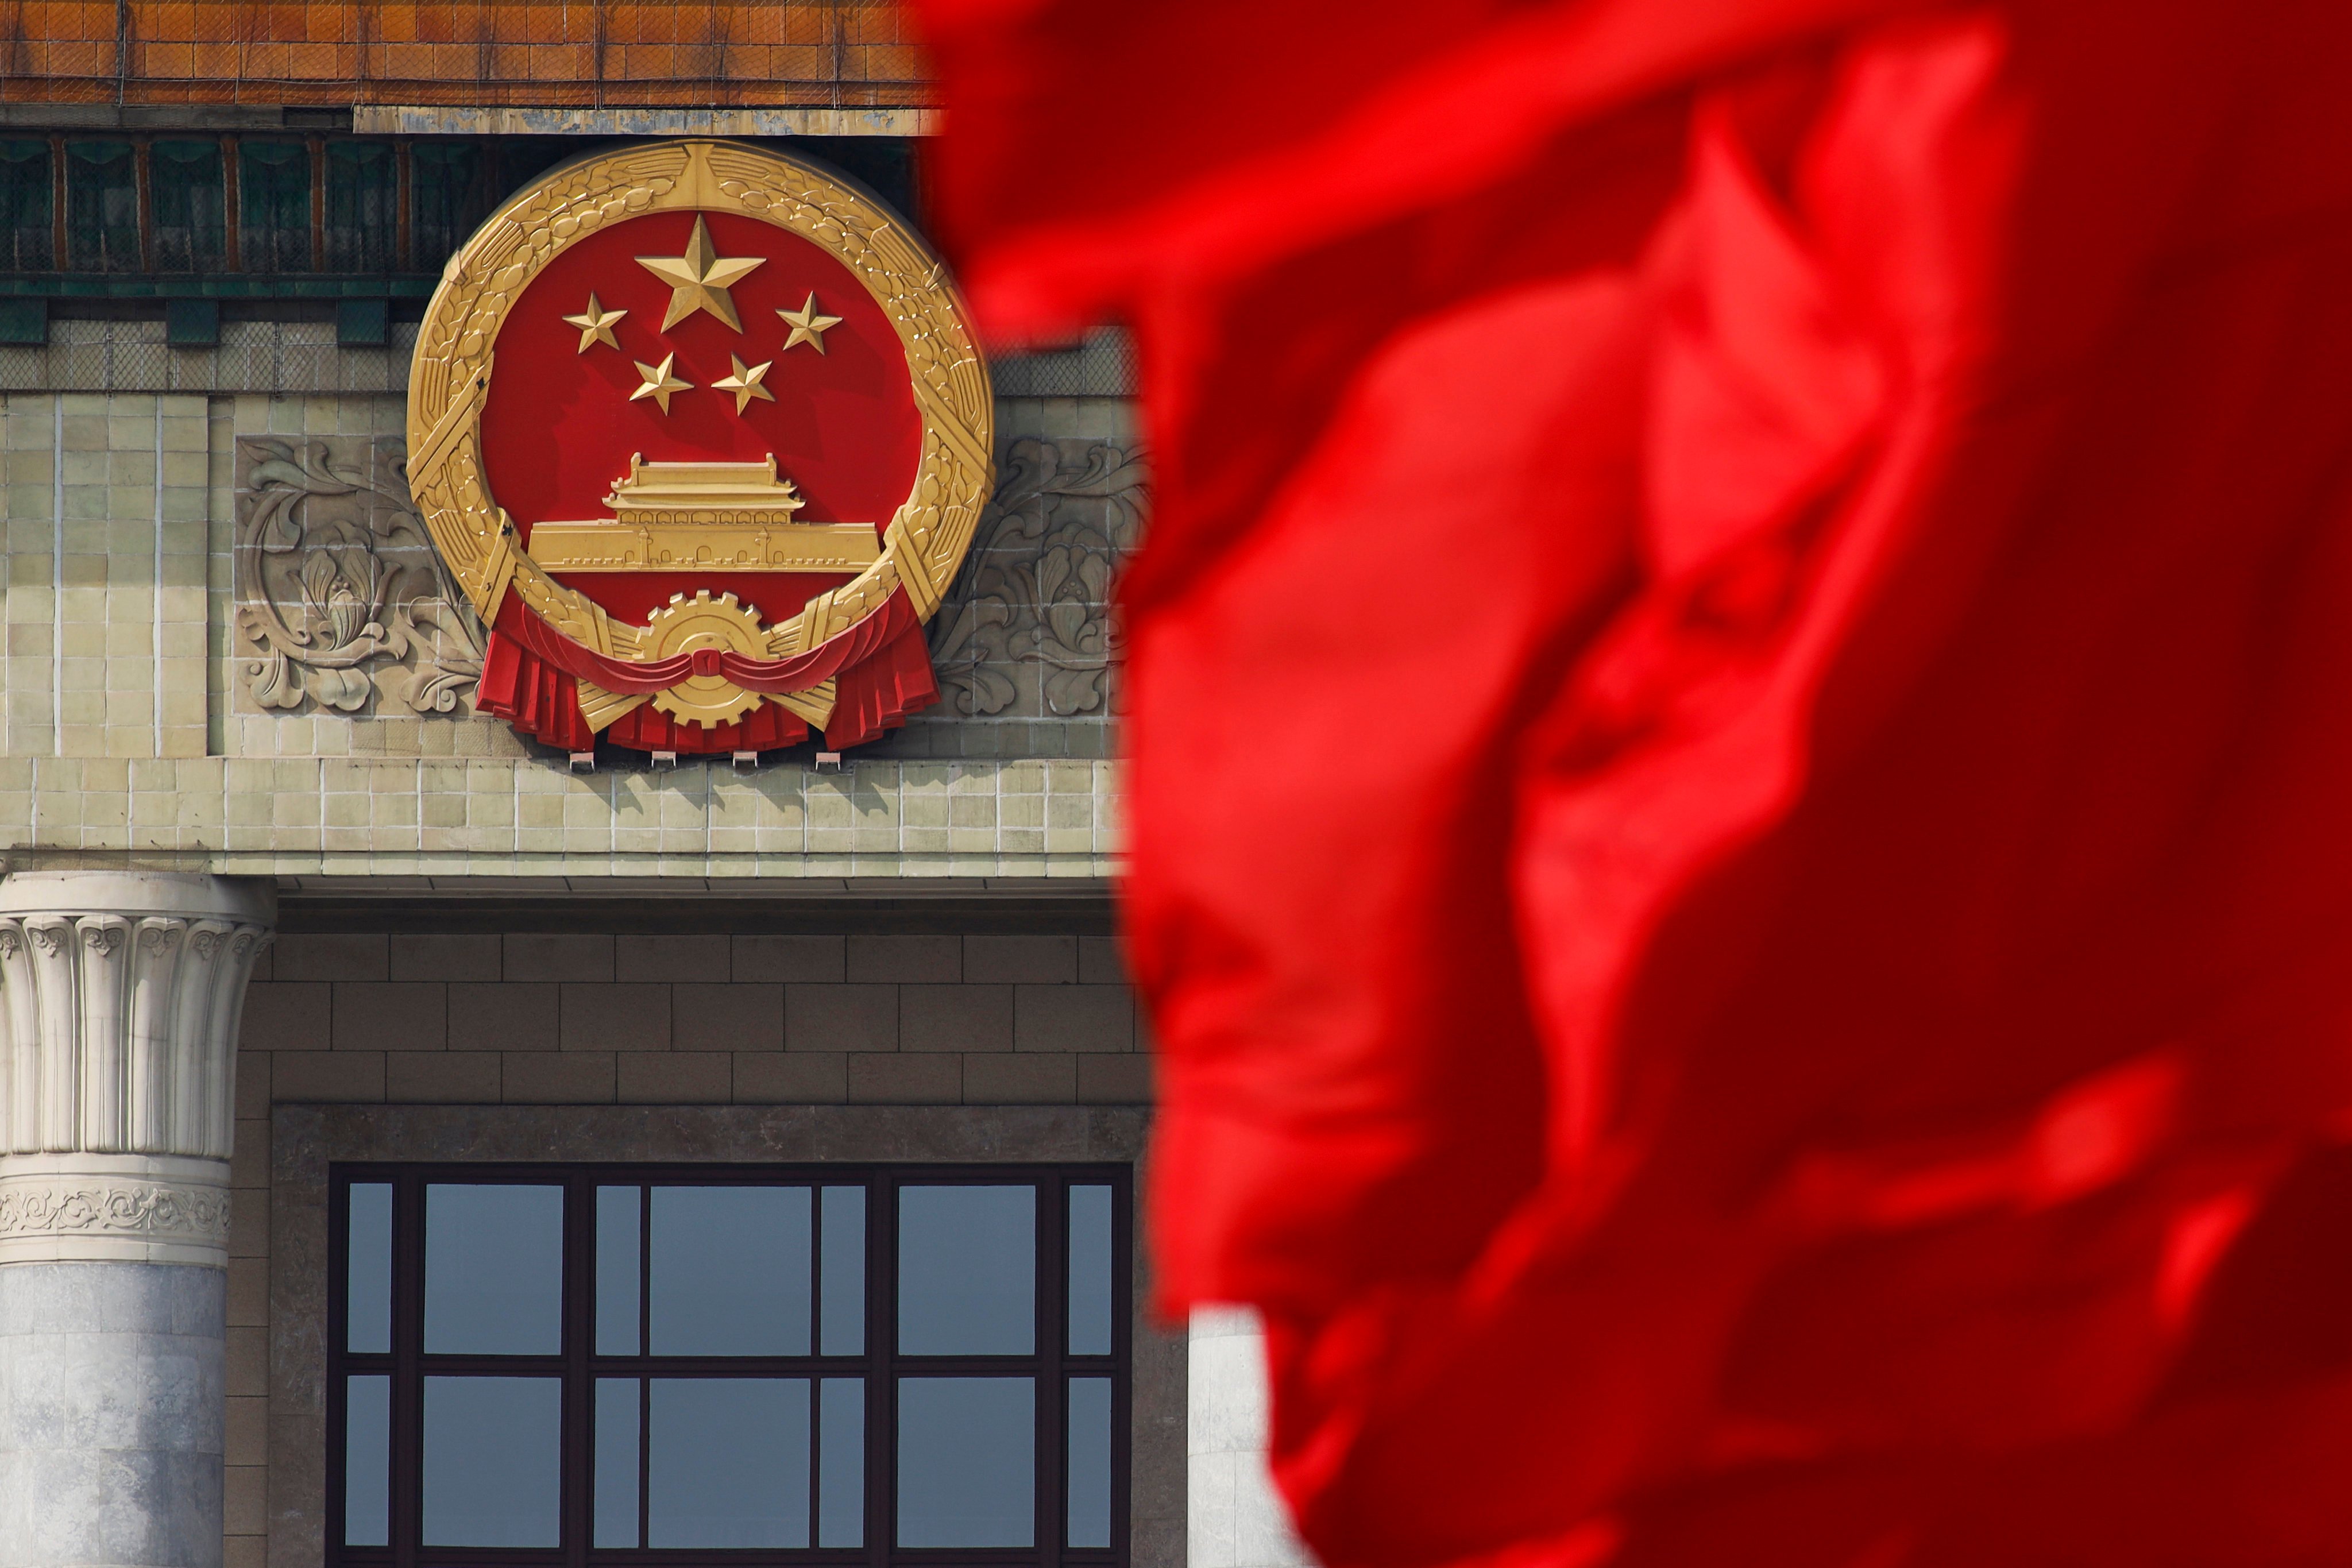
(1233, 1517)
(119, 1000)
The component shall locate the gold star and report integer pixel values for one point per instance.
(699, 279)
(659, 383)
(745, 384)
(808, 327)
(595, 324)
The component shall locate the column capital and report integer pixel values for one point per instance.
(119, 995)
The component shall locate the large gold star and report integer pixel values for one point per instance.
(659, 385)
(595, 324)
(745, 384)
(808, 327)
(699, 279)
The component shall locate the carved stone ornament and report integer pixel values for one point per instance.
(770, 290)
(124, 1208)
(342, 602)
(1032, 633)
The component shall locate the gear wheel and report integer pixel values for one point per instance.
(689, 626)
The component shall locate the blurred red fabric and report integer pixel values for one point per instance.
(1739, 730)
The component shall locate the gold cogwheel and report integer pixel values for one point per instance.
(688, 626)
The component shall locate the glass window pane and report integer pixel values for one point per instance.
(363, 207)
(730, 1271)
(190, 211)
(273, 201)
(27, 243)
(101, 206)
(367, 1283)
(1089, 1462)
(492, 1458)
(616, 1461)
(843, 1272)
(967, 1270)
(967, 1461)
(449, 195)
(730, 1466)
(618, 1228)
(1090, 1292)
(841, 1462)
(493, 1271)
(367, 1461)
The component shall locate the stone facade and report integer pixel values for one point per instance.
(227, 651)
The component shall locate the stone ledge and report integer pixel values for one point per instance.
(967, 822)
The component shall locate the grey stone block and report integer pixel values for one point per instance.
(557, 1077)
(615, 1018)
(955, 1017)
(792, 1078)
(356, 955)
(1033, 960)
(934, 959)
(898, 1079)
(509, 1016)
(441, 1078)
(1020, 1078)
(1124, 1079)
(671, 959)
(281, 1016)
(426, 955)
(394, 1015)
(678, 1078)
(812, 958)
(541, 956)
(733, 1017)
(1099, 962)
(841, 1017)
(298, 1076)
(1072, 1018)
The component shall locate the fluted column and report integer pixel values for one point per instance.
(1233, 1517)
(119, 1000)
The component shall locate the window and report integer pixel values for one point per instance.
(363, 207)
(273, 199)
(101, 206)
(453, 195)
(26, 213)
(191, 218)
(628, 1366)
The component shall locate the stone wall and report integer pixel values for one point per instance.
(573, 1018)
(228, 649)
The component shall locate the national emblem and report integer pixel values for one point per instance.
(754, 571)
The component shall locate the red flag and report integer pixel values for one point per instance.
(1739, 747)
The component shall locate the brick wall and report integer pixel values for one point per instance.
(561, 1018)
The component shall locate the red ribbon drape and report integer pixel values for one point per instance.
(880, 667)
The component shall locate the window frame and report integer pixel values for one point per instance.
(578, 1366)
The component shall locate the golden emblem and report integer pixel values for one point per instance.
(456, 359)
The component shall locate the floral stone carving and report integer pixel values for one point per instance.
(1029, 631)
(342, 602)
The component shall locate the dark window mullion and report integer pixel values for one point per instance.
(340, 1365)
(1123, 1328)
(408, 1348)
(1053, 1398)
(881, 1377)
(645, 1345)
(576, 1489)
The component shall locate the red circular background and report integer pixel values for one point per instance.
(558, 427)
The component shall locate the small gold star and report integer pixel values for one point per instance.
(745, 384)
(595, 324)
(808, 327)
(699, 279)
(659, 385)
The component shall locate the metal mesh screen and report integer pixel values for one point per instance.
(750, 53)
